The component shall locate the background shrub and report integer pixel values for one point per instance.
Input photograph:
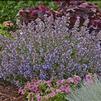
(10, 8)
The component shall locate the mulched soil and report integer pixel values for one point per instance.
(8, 92)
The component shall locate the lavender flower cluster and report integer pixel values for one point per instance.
(49, 48)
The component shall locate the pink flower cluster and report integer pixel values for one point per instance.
(89, 79)
(47, 89)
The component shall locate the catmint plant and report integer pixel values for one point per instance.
(53, 45)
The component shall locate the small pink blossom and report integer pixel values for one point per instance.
(62, 88)
(60, 82)
(58, 90)
(70, 80)
(48, 83)
(34, 88)
(88, 79)
(21, 91)
(28, 84)
(83, 5)
(67, 89)
(38, 98)
(52, 94)
(77, 79)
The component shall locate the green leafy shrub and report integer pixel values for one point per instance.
(87, 93)
(10, 8)
(4, 31)
(51, 90)
(59, 97)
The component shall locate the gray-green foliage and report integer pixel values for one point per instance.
(87, 93)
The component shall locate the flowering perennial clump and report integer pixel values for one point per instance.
(50, 46)
(44, 90)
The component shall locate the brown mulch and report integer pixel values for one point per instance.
(9, 92)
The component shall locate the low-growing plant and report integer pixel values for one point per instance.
(42, 90)
(59, 97)
(71, 89)
(88, 92)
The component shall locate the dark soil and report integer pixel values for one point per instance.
(9, 92)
